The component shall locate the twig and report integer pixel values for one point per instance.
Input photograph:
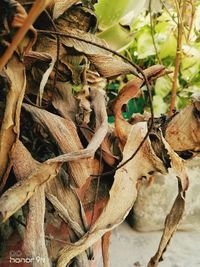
(57, 49)
(181, 12)
(191, 19)
(169, 13)
(152, 32)
(37, 8)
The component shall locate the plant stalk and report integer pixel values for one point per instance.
(180, 11)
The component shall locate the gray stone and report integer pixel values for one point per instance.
(155, 201)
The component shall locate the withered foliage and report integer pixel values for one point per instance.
(67, 178)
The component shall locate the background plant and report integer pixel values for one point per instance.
(154, 38)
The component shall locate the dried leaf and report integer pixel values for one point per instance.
(67, 202)
(64, 132)
(182, 131)
(83, 98)
(106, 146)
(33, 57)
(60, 6)
(28, 20)
(64, 214)
(15, 73)
(76, 64)
(34, 237)
(15, 197)
(109, 66)
(83, 46)
(171, 224)
(46, 44)
(176, 213)
(44, 81)
(98, 103)
(64, 101)
(95, 80)
(124, 187)
(177, 164)
(78, 17)
(39, 66)
(82, 261)
(105, 249)
(30, 38)
(129, 91)
(22, 161)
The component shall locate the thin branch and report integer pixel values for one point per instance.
(179, 6)
(169, 13)
(181, 11)
(37, 8)
(57, 49)
(193, 11)
(152, 32)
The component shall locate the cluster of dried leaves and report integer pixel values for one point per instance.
(56, 145)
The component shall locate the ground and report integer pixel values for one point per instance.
(133, 249)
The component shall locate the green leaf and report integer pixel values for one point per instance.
(160, 107)
(76, 88)
(117, 37)
(113, 16)
(112, 11)
(140, 22)
(168, 17)
(182, 102)
(190, 67)
(163, 86)
(162, 27)
(145, 45)
(187, 92)
(168, 49)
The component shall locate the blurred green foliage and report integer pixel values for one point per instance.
(154, 41)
